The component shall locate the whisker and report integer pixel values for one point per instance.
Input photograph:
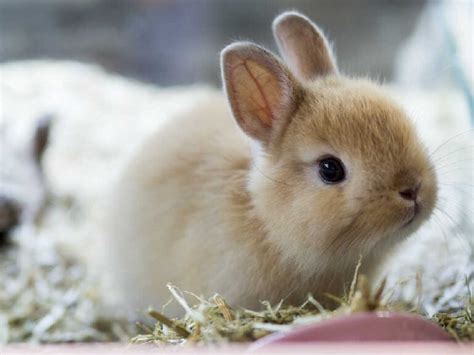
(447, 215)
(449, 140)
(454, 184)
(451, 153)
(452, 200)
(460, 208)
(464, 171)
(441, 227)
(447, 188)
(268, 177)
(458, 237)
(452, 176)
(454, 162)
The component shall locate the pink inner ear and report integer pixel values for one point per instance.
(256, 91)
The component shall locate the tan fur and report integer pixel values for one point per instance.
(303, 46)
(203, 206)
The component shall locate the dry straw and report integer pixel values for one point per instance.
(214, 321)
(46, 297)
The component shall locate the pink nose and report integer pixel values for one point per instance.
(410, 194)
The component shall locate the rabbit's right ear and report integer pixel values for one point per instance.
(260, 89)
(303, 46)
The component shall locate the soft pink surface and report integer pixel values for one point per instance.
(390, 348)
(362, 327)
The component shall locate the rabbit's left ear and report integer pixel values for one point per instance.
(303, 46)
(261, 91)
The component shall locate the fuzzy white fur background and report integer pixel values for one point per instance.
(99, 118)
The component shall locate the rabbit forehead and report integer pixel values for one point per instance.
(356, 119)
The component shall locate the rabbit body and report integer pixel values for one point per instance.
(181, 200)
(246, 210)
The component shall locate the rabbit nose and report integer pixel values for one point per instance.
(410, 194)
(9, 213)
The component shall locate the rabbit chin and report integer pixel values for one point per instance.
(404, 230)
(413, 224)
(376, 247)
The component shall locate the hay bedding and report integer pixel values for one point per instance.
(47, 296)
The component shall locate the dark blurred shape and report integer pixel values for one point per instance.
(10, 213)
(41, 138)
(178, 42)
(23, 189)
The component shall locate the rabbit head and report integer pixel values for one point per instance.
(338, 168)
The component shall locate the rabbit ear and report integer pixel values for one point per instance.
(303, 46)
(260, 89)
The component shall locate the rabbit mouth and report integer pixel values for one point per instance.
(413, 213)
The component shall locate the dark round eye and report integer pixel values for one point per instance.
(331, 170)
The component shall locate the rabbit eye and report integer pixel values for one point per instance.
(331, 170)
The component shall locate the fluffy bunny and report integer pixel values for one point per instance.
(319, 170)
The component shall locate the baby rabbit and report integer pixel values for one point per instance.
(319, 170)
